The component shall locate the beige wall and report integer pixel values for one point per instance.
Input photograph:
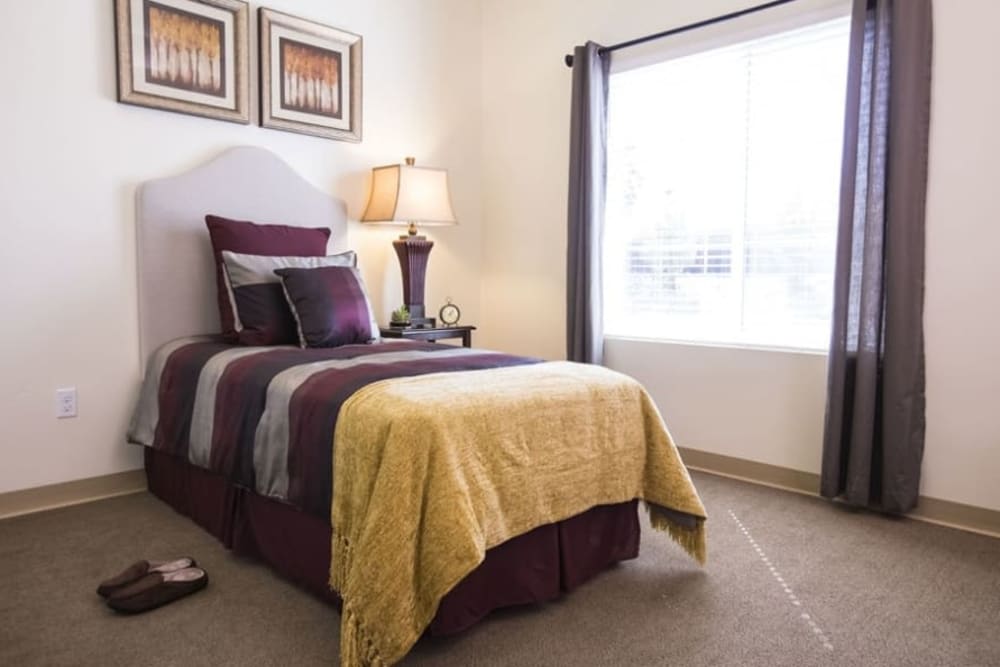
(760, 405)
(962, 317)
(70, 159)
(479, 88)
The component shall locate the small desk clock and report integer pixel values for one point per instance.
(449, 314)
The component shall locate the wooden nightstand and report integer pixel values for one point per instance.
(430, 333)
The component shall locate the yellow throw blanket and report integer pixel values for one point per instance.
(431, 471)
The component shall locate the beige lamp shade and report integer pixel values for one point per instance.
(404, 194)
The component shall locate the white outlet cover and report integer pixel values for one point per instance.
(66, 402)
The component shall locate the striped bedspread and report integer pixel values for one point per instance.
(264, 417)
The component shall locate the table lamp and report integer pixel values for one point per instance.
(407, 194)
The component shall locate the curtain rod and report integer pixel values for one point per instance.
(684, 28)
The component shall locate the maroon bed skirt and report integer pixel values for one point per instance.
(529, 568)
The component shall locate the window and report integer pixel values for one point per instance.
(723, 189)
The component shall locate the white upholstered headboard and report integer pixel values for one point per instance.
(175, 267)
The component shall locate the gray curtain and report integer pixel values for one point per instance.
(587, 177)
(874, 431)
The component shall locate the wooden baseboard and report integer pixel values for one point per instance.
(957, 515)
(932, 510)
(751, 471)
(28, 501)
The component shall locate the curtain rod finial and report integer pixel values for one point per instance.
(569, 60)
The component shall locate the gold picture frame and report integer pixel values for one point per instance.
(188, 56)
(310, 77)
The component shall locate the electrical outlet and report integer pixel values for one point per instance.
(66, 402)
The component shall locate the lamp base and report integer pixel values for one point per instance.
(417, 316)
(412, 253)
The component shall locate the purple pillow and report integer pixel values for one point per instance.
(330, 306)
(253, 239)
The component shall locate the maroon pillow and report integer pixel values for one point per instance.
(254, 239)
(330, 306)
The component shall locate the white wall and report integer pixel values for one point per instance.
(762, 405)
(962, 316)
(70, 159)
(483, 91)
(758, 405)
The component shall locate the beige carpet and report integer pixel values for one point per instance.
(870, 591)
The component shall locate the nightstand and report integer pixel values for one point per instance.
(430, 333)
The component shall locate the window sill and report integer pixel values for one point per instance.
(728, 346)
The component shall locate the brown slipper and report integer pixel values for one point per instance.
(157, 589)
(138, 570)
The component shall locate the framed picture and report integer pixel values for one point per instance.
(189, 56)
(310, 77)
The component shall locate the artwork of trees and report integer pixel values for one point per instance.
(184, 51)
(310, 79)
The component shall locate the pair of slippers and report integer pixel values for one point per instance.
(147, 585)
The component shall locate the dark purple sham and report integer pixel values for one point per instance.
(329, 304)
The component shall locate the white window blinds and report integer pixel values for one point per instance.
(723, 187)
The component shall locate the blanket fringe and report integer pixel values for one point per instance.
(356, 648)
(692, 540)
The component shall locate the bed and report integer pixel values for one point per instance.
(206, 402)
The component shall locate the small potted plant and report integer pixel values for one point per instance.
(400, 317)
